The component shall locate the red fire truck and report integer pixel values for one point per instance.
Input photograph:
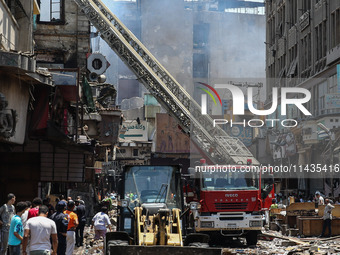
(229, 201)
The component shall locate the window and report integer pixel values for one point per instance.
(201, 35)
(293, 12)
(200, 65)
(335, 28)
(306, 5)
(51, 11)
(332, 84)
(135, 152)
(322, 91)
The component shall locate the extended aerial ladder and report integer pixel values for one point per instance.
(217, 145)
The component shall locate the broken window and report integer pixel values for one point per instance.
(51, 11)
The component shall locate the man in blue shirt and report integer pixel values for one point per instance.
(16, 230)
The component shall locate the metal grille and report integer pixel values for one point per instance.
(231, 206)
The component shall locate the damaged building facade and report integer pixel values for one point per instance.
(45, 101)
(303, 50)
(19, 171)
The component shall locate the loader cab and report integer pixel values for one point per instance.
(149, 187)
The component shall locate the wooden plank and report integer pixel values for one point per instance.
(305, 228)
(313, 226)
(335, 211)
(307, 206)
(293, 239)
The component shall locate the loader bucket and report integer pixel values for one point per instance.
(161, 250)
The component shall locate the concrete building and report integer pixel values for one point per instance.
(303, 50)
(19, 171)
(44, 143)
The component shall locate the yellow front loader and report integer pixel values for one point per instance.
(151, 218)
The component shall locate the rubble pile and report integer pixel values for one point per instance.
(90, 246)
(279, 247)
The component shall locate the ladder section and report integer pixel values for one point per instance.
(168, 92)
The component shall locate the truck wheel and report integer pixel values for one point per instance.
(251, 238)
(199, 245)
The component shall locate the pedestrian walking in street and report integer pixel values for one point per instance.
(81, 213)
(34, 211)
(71, 227)
(100, 221)
(24, 216)
(7, 211)
(327, 218)
(39, 230)
(61, 222)
(16, 230)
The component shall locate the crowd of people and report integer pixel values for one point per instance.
(37, 228)
(318, 199)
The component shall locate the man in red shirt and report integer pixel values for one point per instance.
(34, 211)
(71, 227)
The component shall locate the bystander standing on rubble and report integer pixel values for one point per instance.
(71, 227)
(34, 211)
(7, 211)
(16, 230)
(100, 221)
(39, 230)
(81, 213)
(274, 205)
(61, 222)
(327, 218)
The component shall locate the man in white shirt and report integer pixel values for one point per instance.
(40, 229)
(100, 221)
(327, 218)
(319, 198)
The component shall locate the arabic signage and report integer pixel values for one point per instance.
(132, 131)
